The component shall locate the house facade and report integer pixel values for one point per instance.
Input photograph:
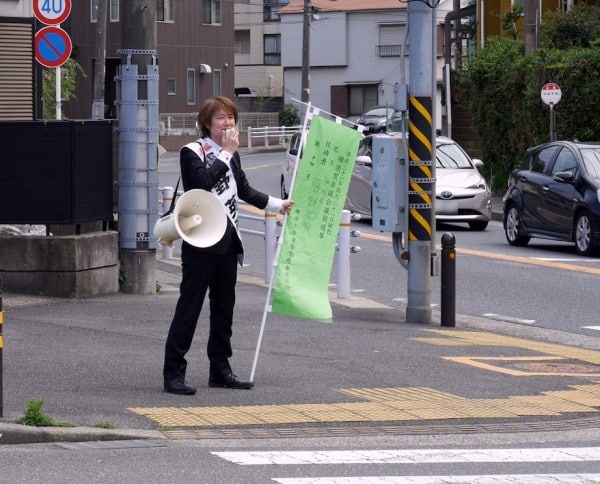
(257, 48)
(194, 44)
(356, 52)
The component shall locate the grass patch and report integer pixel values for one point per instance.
(34, 416)
(105, 425)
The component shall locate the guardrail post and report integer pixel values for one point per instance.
(270, 245)
(250, 137)
(448, 280)
(267, 137)
(1, 347)
(167, 193)
(343, 256)
(282, 135)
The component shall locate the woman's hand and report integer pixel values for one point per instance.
(286, 206)
(230, 140)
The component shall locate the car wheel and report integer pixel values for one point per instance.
(512, 222)
(284, 193)
(478, 225)
(583, 234)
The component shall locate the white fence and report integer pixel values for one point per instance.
(270, 236)
(185, 123)
(278, 135)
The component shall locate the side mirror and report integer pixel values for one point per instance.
(563, 177)
(363, 160)
(478, 163)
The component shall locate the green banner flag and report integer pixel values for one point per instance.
(301, 287)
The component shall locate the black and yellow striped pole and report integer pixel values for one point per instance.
(421, 152)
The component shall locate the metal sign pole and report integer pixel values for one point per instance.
(552, 123)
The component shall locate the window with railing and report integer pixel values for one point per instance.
(391, 38)
(241, 42)
(271, 9)
(272, 46)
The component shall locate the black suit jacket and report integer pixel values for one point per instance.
(196, 174)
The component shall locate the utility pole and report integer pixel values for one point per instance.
(304, 96)
(138, 146)
(100, 60)
(421, 169)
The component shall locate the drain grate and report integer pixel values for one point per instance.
(351, 431)
(110, 444)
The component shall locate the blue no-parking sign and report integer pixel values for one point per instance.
(52, 46)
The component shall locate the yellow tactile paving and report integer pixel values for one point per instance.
(405, 404)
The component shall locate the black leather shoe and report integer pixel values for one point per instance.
(179, 387)
(229, 380)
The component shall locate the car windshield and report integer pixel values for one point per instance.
(591, 160)
(383, 111)
(451, 156)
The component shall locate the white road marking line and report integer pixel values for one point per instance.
(413, 456)
(481, 479)
(508, 319)
(551, 259)
(596, 328)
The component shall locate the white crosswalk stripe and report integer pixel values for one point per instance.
(413, 456)
(496, 479)
(422, 457)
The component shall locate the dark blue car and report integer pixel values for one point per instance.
(555, 194)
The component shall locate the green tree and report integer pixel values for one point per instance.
(579, 27)
(503, 86)
(288, 116)
(68, 75)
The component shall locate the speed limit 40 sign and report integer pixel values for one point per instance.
(51, 12)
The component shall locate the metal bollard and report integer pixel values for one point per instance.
(448, 286)
(343, 257)
(168, 194)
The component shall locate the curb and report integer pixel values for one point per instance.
(24, 434)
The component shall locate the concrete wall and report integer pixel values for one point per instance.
(60, 266)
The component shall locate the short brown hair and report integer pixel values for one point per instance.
(209, 107)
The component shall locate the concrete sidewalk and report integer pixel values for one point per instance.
(99, 361)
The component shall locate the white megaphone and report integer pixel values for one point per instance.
(198, 218)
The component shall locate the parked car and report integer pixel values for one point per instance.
(376, 119)
(462, 194)
(555, 194)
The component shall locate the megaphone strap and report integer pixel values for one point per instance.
(172, 207)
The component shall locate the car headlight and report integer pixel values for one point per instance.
(477, 186)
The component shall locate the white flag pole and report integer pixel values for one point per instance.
(267, 307)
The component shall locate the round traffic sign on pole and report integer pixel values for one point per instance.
(51, 12)
(551, 93)
(52, 46)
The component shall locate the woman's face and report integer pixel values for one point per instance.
(220, 121)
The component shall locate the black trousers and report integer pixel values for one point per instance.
(203, 271)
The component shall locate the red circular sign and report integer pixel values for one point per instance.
(551, 93)
(52, 46)
(51, 12)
